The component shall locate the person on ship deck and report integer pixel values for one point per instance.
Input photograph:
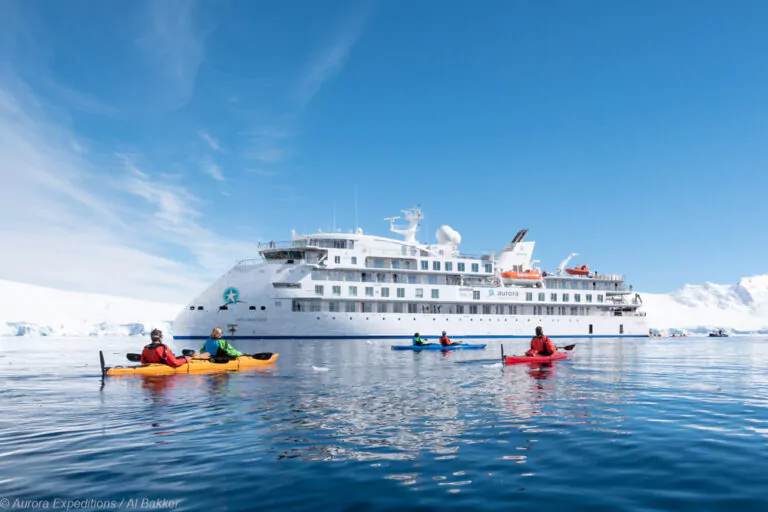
(445, 340)
(158, 352)
(541, 345)
(215, 346)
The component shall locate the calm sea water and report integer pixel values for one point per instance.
(643, 424)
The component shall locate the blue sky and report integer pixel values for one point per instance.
(146, 146)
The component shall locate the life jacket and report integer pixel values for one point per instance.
(218, 354)
(445, 341)
(154, 353)
(540, 346)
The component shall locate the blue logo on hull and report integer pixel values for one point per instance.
(231, 295)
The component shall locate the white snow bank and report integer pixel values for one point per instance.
(29, 310)
(741, 307)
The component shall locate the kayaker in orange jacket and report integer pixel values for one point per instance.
(541, 345)
(445, 340)
(158, 352)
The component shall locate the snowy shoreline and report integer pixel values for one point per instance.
(30, 310)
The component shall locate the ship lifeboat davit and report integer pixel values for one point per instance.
(578, 271)
(522, 278)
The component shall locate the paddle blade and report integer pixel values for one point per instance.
(101, 360)
(263, 356)
(502, 352)
(568, 347)
(188, 352)
(134, 358)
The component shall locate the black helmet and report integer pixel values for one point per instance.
(156, 335)
(416, 335)
(443, 333)
(539, 331)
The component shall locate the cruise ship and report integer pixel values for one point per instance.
(360, 286)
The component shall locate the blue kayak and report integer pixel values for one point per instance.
(437, 346)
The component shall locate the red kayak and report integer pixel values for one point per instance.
(536, 359)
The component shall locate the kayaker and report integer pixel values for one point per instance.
(445, 340)
(158, 352)
(418, 341)
(217, 347)
(541, 345)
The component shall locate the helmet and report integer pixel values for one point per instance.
(416, 335)
(156, 335)
(539, 331)
(443, 333)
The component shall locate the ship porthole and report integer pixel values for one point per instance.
(263, 308)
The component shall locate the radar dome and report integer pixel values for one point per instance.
(446, 235)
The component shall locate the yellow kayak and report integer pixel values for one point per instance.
(196, 365)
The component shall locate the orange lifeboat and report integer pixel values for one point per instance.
(578, 271)
(522, 278)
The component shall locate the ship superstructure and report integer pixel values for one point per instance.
(354, 285)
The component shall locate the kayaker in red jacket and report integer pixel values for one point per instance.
(157, 352)
(541, 345)
(445, 340)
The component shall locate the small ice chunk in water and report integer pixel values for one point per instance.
(319, 368)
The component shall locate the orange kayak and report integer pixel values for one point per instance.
(196, 365)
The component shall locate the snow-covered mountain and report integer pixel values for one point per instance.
(34, 310)
(741, 307)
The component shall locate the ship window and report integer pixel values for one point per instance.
(461, 267)
(367, 307)
(590, 329)
(354, 260)
(599, 298)
(435, 294)
(333, 307)
(621, 329)
(577, 297)
(475, 294)
(589, 297)
(369, 291)
(475, 268)
(529, 296)
(353, 291)
(419, 293)
(381, 307)
(412, 308)
(223, 308)
(296, 306)
(349, 307)
(460, 309)
(401, 293)
(395, 263)
(199, 308)
(489, 268)
(265, 307)
(512, 310)
(336, 290)
(314, 306)
(449, 266)
(397, 307)
(542, 297)
(473, 309)
(435, 265)
(431, 279)
(574, 311)
(319, 289)
(277, 304)
(553, 297)
(252, 308)
(337, 259)
(486, 309)
(424, 265)
(411, 278)
(191, 308)
(566, 297)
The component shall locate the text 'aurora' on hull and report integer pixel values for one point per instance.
(352, 285)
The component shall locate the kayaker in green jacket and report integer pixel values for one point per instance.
(217, 347)
(420, 342)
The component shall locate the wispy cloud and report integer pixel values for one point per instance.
(175, 42)
(213, 143)
(112, 235)
(212, 169)
(331, 58)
